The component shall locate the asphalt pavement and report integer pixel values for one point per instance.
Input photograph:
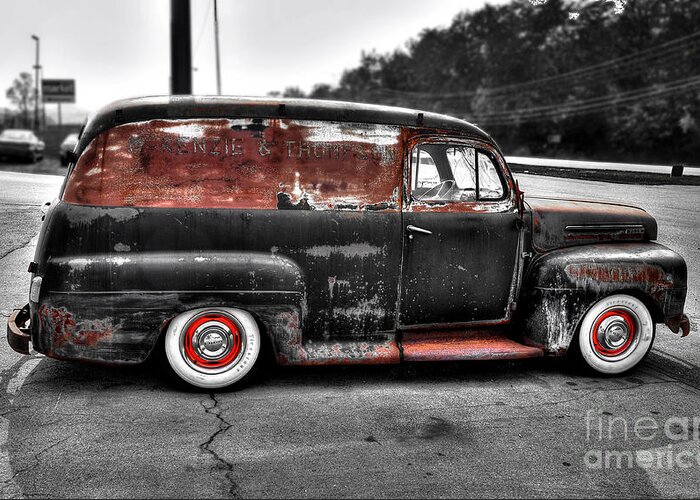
(492, 429)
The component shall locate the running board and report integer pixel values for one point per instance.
(455, 346)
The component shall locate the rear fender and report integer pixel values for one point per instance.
(112, 308)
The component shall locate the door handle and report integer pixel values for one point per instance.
(414, 229)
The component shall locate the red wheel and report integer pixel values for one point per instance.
(616, 334)
(212, 348)
(212, 341)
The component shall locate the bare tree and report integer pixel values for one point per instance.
(21, 94)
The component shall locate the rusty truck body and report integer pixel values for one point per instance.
(328, 233)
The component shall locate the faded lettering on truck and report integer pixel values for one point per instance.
(242, 163)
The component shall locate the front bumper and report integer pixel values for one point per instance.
(18, 331)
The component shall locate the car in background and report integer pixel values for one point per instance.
(19, 143)
(67, 147)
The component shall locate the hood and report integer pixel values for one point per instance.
(560, 223)
(69, 144)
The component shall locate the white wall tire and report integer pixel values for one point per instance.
(212, 348)
(616, 334)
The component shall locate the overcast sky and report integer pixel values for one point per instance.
(120, 48)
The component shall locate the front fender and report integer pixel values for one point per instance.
(561, 285)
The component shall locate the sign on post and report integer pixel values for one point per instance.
(58, 90)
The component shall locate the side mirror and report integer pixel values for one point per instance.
(520, 195)
(71, 157)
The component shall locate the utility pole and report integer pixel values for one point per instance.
(43, 104)
(180, 47)
(37, 67)
(216, 39)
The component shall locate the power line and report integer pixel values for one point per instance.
(628, 71)
(587, 107)
(615, 63)
(642, 67)
(575, 103)
(201, 28)
(518, 118)
(660, 57)
(666, 50)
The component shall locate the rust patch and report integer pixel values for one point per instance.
(292, 351)
(453, 346)
(463, 206)
(684, 325)
(291, 326)
(241, 163)
(352, 353)
(624, 273)
(559, 223)
(65, 330)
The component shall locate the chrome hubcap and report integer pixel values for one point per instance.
(613, 332)
(212, 340)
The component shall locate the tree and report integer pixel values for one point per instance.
(609, 81)
(293, 92)
(21, 94)
(321, 91)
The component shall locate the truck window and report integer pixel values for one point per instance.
(426, 174)
(459, 173)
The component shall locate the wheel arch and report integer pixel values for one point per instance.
(126, 324)
(562, 285)
(266, 348)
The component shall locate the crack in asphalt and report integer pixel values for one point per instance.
(37, 461)
(224, 426)
(688, 376)
(590, 392)
(5, 313)
(14, 409)
(8, 407)
(23, 244)
(6, 376)
(582, 394)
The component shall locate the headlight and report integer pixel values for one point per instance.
(35, 289)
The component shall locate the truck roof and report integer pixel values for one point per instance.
(202, 107)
